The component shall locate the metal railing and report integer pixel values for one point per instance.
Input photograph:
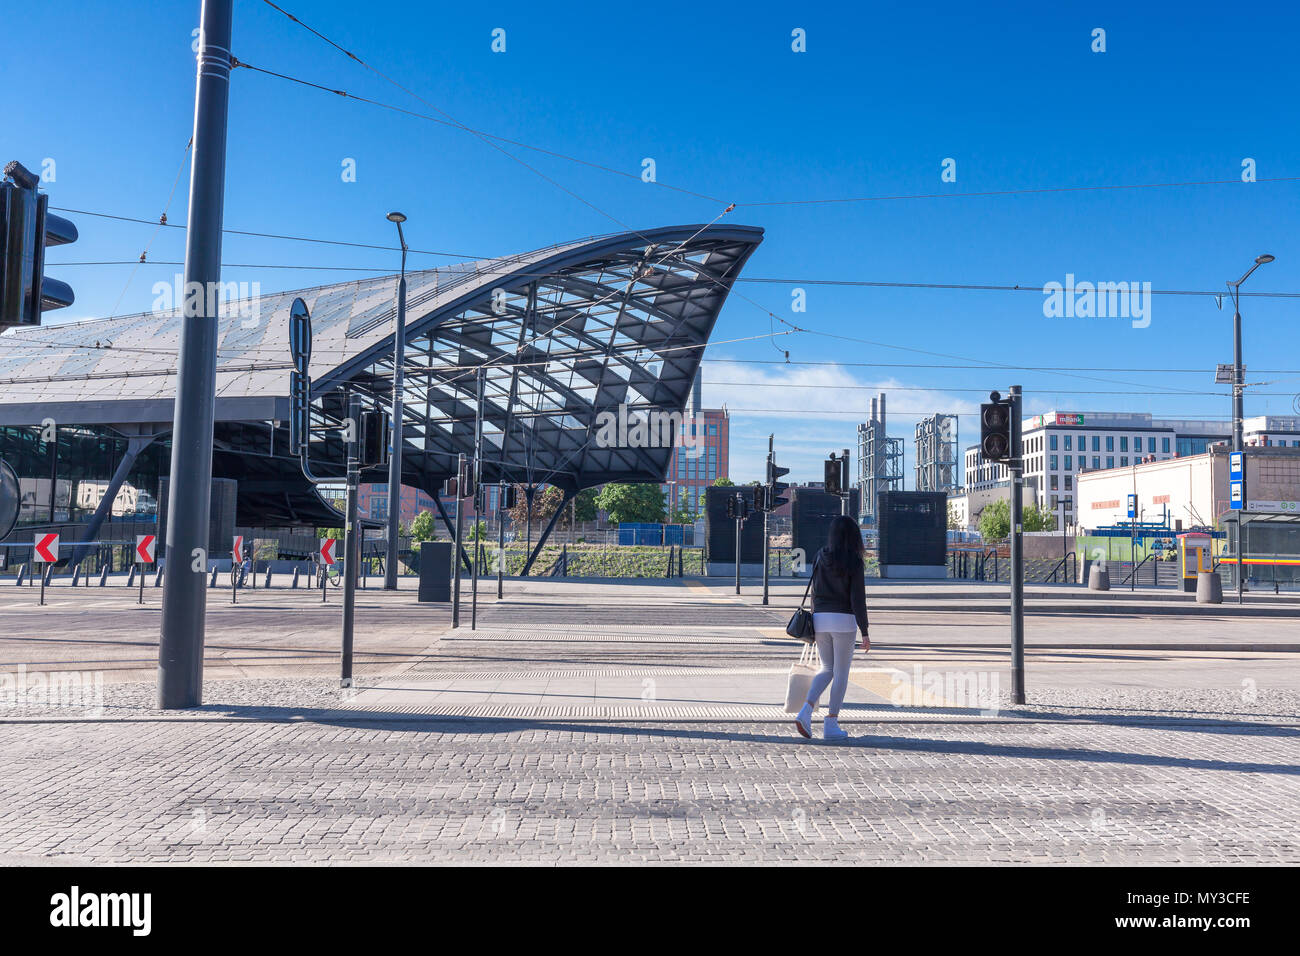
(1061, 566)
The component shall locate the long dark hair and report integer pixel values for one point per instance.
(844, 549)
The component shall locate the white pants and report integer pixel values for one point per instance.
(835, 648)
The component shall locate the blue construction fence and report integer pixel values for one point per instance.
(645, 533)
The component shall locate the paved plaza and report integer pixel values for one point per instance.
(627, 722)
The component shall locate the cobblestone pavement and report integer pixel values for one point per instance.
(293, 790)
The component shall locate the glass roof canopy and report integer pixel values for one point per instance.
(607, 324)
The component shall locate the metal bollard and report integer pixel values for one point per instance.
(130, 578)
(267, 583)
(295, 577)
(212, 581)
(76, 575)
(103, 576)
(22, 575)
(157, 581)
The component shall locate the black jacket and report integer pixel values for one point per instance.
(839, 592)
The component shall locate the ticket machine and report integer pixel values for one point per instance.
(1195, 554)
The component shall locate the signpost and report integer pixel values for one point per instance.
(1237, 503)
(1132, 539)
(45, 550)
(236, 564)
(146, 546)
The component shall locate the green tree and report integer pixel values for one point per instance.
(995, 520)
(1038, 519)
(422, 528)
(631, 502)
(725, 483)
(585, 503)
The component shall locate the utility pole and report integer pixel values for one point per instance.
(351, 538)
(1238, 413)
(1017, 464)
(180, 647)
(395, 453)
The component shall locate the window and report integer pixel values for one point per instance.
(1124, 462)
(1096, 461)
(1110, 461)
(1069, 463)
(1069, 442)
(1096, 443)
(1151, 444)
(1110, 442)
(1053, 484)
(1069, 482)
(1052, 441)
(1051, 462)
(1164, 445)
(1123, 445)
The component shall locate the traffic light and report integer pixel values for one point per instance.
(760, 498)
(509, 498)
(465, 485)
(737, 507)
(995, 429)
(776, 489)
(374, 438)
(831, 475)
(25, 230)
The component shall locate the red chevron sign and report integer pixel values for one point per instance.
(47, 548)
(145, 545)
(327, 550)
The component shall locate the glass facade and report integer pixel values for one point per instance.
(64, 479)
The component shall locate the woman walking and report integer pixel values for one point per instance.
(839, 604)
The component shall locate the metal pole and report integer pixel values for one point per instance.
(767, 472)
(180, 648)
(351, 543)
(395, 452)
(1017, 554)
(478, 474)
(739, 501)
(457, 545)
(501, 541)
(1238, 440)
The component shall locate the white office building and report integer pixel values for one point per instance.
(1058, 446)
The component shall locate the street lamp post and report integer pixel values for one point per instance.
(1238, 402)
(395, 453)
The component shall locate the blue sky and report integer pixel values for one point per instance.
(882, 96)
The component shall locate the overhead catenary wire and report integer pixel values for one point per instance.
(767, 280)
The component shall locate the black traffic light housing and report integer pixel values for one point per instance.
(760, 498)
(26, 228)
(509, 498)
(995, 429)
(776, 488)
(831, 476)
(737, 507)
(374, 438)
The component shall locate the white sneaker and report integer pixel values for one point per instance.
(803, 720)
(831, 730)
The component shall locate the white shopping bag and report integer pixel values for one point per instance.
(801, 675)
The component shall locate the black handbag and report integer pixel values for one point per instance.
(801, 622)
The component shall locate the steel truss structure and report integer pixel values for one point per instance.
(571, 338)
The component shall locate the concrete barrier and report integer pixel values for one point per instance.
(1209, 587)
(1098, 578)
